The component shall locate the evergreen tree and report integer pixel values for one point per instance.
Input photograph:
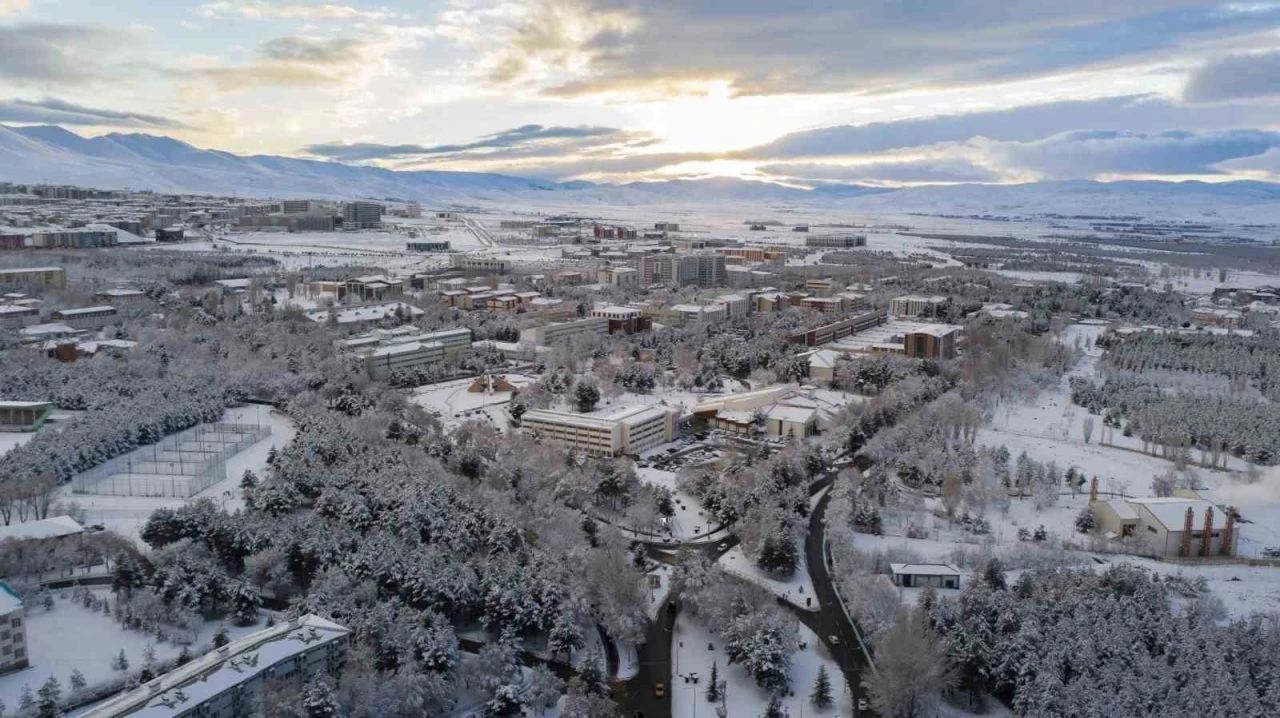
(821, 696)
(778, 554)
(713, 686)
(1085, 521)
(318, 699)
(128, 576)
(220, 638)
(120, 662)
(993, 574)
(505, 703)
(775, 709)
(50, 694)
(184, 656)
(77, 680)
(26, 701)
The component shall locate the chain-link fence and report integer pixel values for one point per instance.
(178, 466)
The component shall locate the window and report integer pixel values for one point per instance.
(1152, 529)
(4, 635)
(19, 653)
(16, 622)
(17, 637)
(7, 650)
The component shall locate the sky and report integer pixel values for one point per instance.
(875, 92)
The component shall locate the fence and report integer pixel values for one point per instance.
(178, 466)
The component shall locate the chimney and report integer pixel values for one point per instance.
(1185, 548)
(1207, 536)
(1227, 532)
(1093, 490)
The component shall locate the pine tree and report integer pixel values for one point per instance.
(184, 656)
(1085, 521)
(318, 699)
(505, 703)
(821, 696)
(50, 694)
(220, 638)
(713, 686)
(121, 661)
(26, 701)
(77, 680)
(775, 709)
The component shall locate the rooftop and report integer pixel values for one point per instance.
(42, 529)
(924, 569)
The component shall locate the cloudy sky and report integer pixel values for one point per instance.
(807, 93)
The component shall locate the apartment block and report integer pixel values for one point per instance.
(52, 277)
(835, 241)
(361, 215)
(914, 305)
(13, 631)
(86, 317)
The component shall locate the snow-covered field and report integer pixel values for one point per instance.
(455, 404)
(70, 636)
(694, 648)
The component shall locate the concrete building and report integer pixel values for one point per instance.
(1217, 317)
(51, 277)
(481, 265)
(427, 246)
(624, 320)
(822, 365)
(365, 314)
(694, 313)
(836, 241)
(791, 422)
(86, 317)
(820, 286)
(618, 276)
(828, 333)
(631, 430)
(121, 297)
(13, 631)
(933, 341)
(361, 215)
(735, 305)
(23, 415)
(17, 315)
(225, 682)
(1172, 527)
(170, 234)
(559, 333)
(295, 206)
(919, 575)
(914, 305)
(374, 288)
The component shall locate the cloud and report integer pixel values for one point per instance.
(292, 61)
(287, 11)
(763, 47)
(907, 171)
(518, 142)
(58, 112)
(1137, 113)
(13, 7)
(53, 53)
(1237, 77)
(1101, 153)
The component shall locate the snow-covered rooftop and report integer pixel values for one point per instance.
(924, 569)
(42, 529)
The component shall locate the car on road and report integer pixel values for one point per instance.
(862, 705)
(723, 546)
(834, 640)
(659, 690)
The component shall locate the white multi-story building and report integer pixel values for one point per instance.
(86, 317)
(225, 682)
(618, 276)
(13, 631)
(561, 332)
(914, 305)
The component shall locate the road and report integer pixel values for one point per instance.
(831, 619)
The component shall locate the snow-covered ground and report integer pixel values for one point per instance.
(127, 514)
(796, 590)
(70, 636)
(695, 648)
(455, 404)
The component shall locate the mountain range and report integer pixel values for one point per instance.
(53, 155)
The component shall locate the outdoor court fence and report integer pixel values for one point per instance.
(180, 465)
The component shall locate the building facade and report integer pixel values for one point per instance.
(51, 277)
(86, 317)
(13, 631)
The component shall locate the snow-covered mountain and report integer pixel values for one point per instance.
(54, 155)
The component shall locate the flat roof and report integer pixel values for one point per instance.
(1172, 511)
(925, 569)
(84, 310)
(800, 414)
(23, 404)
(22, 270)
(42, 529)
(568, 418)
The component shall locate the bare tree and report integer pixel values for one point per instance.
(911, 667)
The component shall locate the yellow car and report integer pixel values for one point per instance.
(659, 690)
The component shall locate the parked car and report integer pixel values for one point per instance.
(835, 640)
(659, 690)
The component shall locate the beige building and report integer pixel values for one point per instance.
(914, 305)
(631, 430)
(53, 277)
(1170, 527)
(791, 422)
(561, 332)
(618, 276)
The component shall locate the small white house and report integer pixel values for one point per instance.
(919, 575)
